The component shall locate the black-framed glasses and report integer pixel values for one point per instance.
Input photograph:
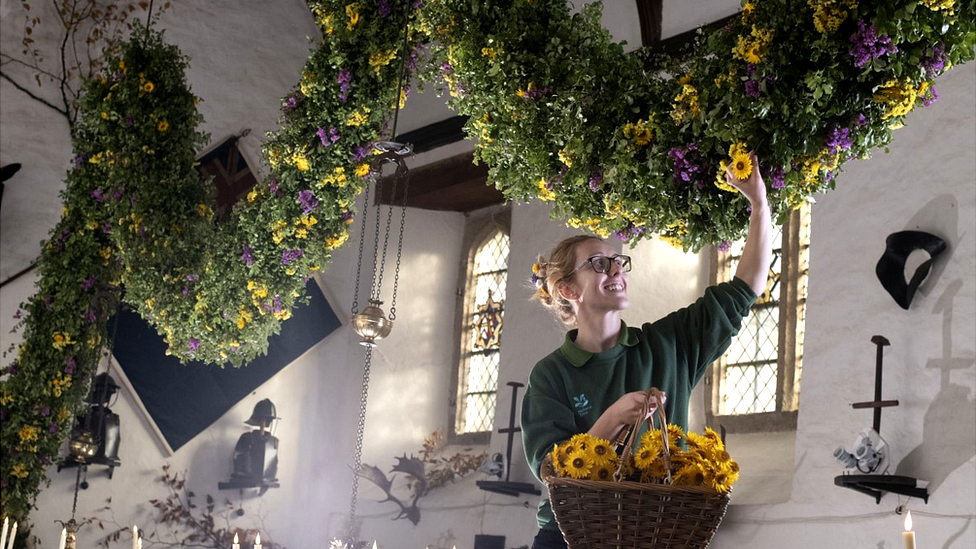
(601, 263)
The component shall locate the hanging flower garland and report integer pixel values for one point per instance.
(561, 114)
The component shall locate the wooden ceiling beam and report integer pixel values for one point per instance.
(453, 184)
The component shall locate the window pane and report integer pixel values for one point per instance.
(479, 364)
(750, 389)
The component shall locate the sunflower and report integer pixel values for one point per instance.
(579, 466)
(163, 126)
(645, 457)
(602, 453)
(721, 480)
(148, 87)
(691, 475)
(601, 472)
(741, 165)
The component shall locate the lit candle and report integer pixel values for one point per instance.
(64, 538)
(6, 527)
(374, 544)
(13, 536)
(135, 537)
(237, 544)
(908, 536)
(257, 541)
(139, 543)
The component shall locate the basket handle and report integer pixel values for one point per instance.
(651, 395)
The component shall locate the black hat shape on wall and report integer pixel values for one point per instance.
(891, 266)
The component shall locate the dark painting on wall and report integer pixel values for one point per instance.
(183, 400)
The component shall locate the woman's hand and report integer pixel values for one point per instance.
(623, 413)
(752, 187)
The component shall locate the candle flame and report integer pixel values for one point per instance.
(135, 530)
(235, 538)
(374, 544)
(257, 539)
(908, 522)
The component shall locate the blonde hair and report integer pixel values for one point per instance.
(547, 274)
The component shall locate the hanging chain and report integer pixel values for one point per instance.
(386, 240)
(374, 291)
(359, 261)
(403, 219)
(358, 454)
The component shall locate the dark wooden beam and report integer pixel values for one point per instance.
(453, 184)
(649, 13)
(435, 135)
(679, 45)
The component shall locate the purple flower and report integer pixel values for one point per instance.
(89, 316)
(13, 368)
(191, 278)
(246, 256)
(687, 165)
(861, 120)
(194, 344)
(118, 193)
(273, 186)
(53, 429)
(934, 60)
(778, 178)
(930, 96)
(287, 256)
(385, 8)
(308, 201)
(98, 196)
(535, 279)
(629, 232)
(276, 304)
(838, 140)
(596, 179)
(186, 291)
(346, 216)
(725, 246)
(80, 159)
(128, 120)
(17, 315)
(107, 227)
(290, 103)
(328, 138)
(48, 303)
(417, 3)
(866, 45)
(70, 365)
(344, 80)
(362, 152)
(752, 89)
(45, 411)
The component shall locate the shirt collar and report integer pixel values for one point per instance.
(578, 356)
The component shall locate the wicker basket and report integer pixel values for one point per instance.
(603, 514)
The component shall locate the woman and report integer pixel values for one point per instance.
(594, 382)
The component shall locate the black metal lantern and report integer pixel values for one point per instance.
(96, 436)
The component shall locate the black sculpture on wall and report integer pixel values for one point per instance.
(891, 266)
(256, 453)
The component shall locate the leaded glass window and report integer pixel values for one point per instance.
(760, 374)
(484, 307)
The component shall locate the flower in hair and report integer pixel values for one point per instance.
(536, 270)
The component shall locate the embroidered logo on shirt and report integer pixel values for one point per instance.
(582, 405)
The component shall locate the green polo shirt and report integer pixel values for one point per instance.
(569, 389)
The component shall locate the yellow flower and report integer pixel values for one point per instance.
(104, 115)
(579, 465)
(639, 133)
(565, 159)
(898, 97)
(936, 5)
(362, 170)
(300, 162)
(148, 87)
(357, 118)
(380, 59)
(19, 471)
(685, 104)
(121, 64)
(752, 48)
(490, 53)
(326, 23)
(284, 314)
(163, 126)
(741, 165)
(748, 8)
(243, 317)
(829, 14)
(61, 340)
(253, 195)
(545, 193)
(602, 472)
(352, 12)
(301, 232)
(332, 243)
(202, 210)
(28, 433)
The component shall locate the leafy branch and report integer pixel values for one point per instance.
(179, 521)
(85, 29)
